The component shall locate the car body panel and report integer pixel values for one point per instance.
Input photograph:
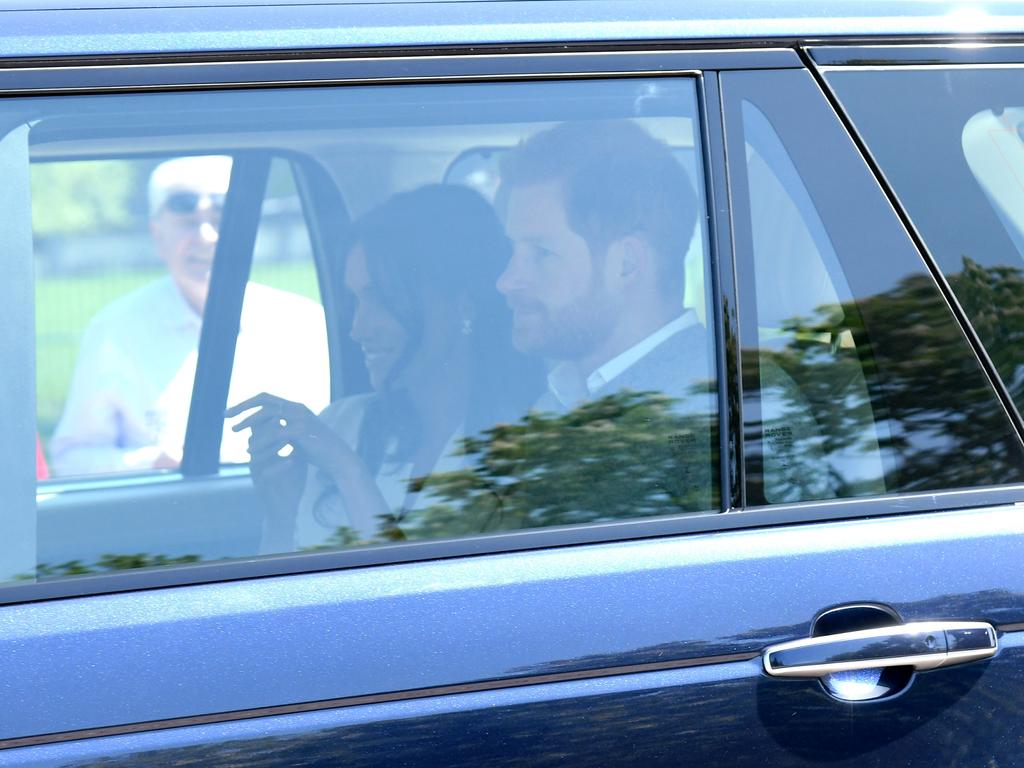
(717, 714)
(104, 29)
(254, 644)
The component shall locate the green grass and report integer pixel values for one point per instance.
(64, 306)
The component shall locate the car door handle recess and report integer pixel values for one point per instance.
(921, 645)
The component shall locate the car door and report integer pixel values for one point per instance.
(859, 490)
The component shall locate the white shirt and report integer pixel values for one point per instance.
(132, 386)
(568, 387)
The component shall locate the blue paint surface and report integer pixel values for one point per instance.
(177, 652)
(63, 28)
(115, 659)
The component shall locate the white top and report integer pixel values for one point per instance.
(130, 393)
(321, 510)
(565, 382)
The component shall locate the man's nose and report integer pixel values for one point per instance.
(512, 279)
(359, 325)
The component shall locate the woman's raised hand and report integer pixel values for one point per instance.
(280, 475)
(277, 424)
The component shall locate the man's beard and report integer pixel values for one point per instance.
(572, 332)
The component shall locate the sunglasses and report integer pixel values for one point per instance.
(189, 202)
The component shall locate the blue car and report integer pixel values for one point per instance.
(469, 382)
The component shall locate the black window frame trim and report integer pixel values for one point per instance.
(700, 64)
(724, 290)
(65, 77)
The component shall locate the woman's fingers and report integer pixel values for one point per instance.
(270, 433)
(269, 470)
(274, 429)
(269, 409)
(280, 428)
(268, 453)
(267, 442)
(257, 401)
(256, 420)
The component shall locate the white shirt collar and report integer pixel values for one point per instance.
(567, 385)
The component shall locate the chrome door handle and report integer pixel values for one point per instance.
(921, 645)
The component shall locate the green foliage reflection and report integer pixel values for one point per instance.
(906, 389)
(106, 564)
(627, 455)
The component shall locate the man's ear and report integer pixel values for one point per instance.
(628, 260)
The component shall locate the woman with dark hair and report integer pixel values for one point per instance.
(436, 341)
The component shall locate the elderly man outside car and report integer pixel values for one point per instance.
(127, 407)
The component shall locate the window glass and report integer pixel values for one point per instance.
(961, 179)
(480, 169)
(123, 253)
(857, 380)
(513, 289)
(282, 339)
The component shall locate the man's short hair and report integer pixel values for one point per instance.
(617, 180)
(206, 173)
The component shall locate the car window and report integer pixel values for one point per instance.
(282, 339)
(961, 181)
(856, 379)
(537, 353)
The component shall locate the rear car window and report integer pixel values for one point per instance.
(310, 319)
(857, 380)
(961, 179)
